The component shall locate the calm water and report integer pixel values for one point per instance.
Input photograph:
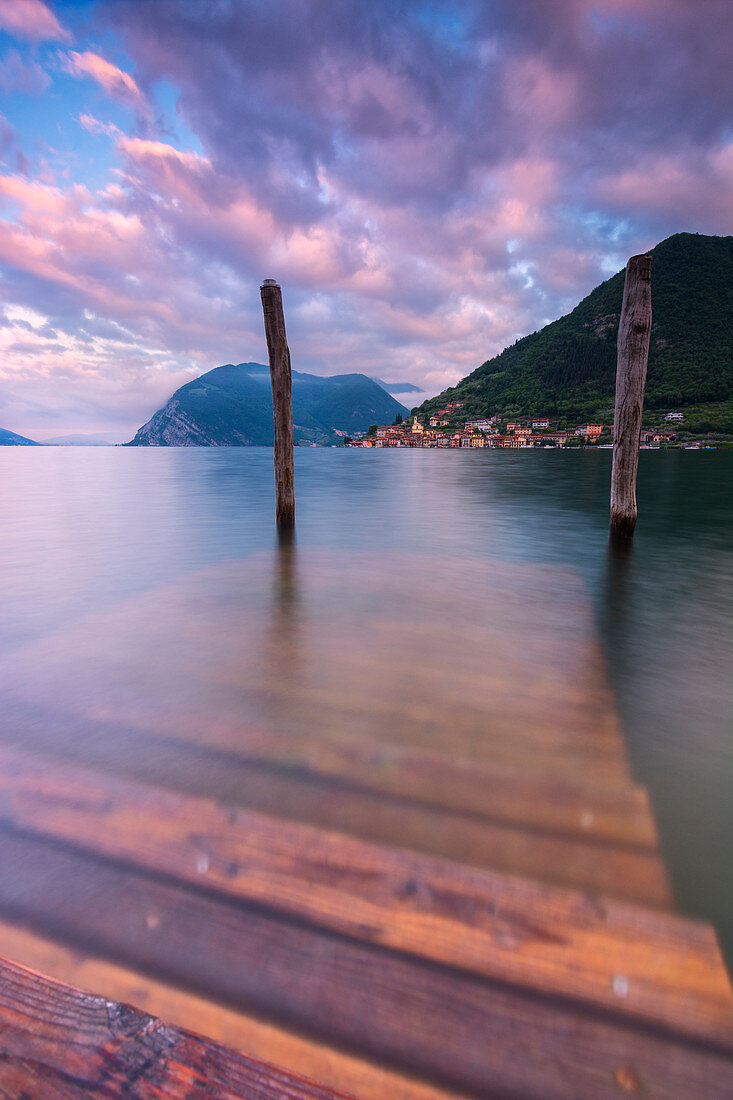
(85, 531)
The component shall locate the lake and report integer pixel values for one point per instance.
(107, 556)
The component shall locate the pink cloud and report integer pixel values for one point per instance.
(19, 75)
(87, 251)
(88, 384)
(161, 154)
(117, 84)
(31, 19)
(33, 195)
(224, 216)
(94, 126)
(424, 197)
(671, 185)
(7, 135)
(541, 98)
(86, 254)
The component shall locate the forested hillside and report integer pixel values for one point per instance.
(567, 369)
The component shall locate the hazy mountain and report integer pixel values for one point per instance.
(10, 439)
(397, 387)
(568, 368)
(231, 406)
(82, 440)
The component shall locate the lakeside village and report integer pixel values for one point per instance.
(446, 430)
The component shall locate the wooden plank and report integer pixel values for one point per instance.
(57, 1041)
(540, 824)
(635, 873)
(479, 1037)
(302, 1057)
(654, 967)
(523, 797)
(473, 670)
(504, 737)
(223, 713)
(514, 668)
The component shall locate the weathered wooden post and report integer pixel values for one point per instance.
(633, 350)
(282, 403)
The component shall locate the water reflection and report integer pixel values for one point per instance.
(146, 602)
(667, 639)
(346, 692)
(617, 592)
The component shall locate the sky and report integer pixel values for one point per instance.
(428, 182)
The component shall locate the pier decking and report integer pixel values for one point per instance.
(362, 821)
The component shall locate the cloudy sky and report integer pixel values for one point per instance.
(428, 181)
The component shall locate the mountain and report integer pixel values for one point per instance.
(567, 370)
(83, 440)
(231, 406)
(10, 439)
(397, 387)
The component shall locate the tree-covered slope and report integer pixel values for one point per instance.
(568, 368)
(10, 439)
(231, 406)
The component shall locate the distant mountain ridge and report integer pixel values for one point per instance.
(568, 368)
(397, 387)
(10, 439)
(231, 406)
(83, 439)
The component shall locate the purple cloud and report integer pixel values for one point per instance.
(20, 75)
(31, 19)
(428, 181)
(115, 82)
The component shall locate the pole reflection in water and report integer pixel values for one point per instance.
(617, 593)
(667, 699)
(384, 695)
(283, 636)
(433, 681)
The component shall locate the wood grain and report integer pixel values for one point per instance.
(256, 1038)
(485, 741)
(503, 684)
(454, 1029)
(496, 926)
(634, 331)
(338, 714)
(282, 402)
(572, 857)
(56, 1041)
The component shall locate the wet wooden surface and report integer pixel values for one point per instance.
(56, 1041)
(473, 722)
(364, 822)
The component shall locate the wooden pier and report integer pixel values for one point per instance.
(370, 822)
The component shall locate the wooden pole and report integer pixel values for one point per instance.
(282, 404)
(633, 350)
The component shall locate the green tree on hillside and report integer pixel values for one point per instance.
(567, 370)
